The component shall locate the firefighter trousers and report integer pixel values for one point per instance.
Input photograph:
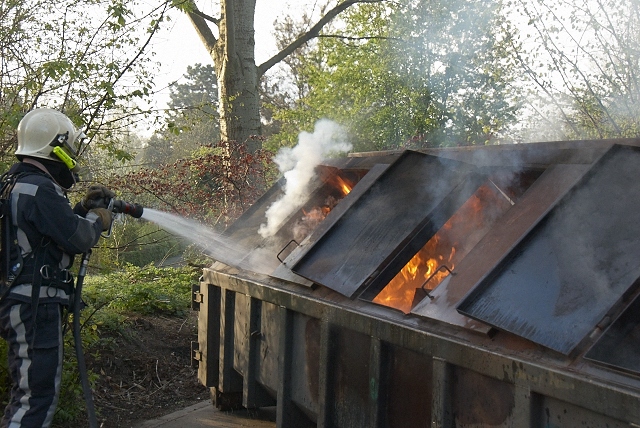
(35, 361)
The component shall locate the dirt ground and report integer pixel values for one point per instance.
(147, 372)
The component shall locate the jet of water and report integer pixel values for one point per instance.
(214, 244)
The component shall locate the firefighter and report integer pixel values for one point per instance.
(49, 234)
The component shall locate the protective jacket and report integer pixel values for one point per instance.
(50, 233)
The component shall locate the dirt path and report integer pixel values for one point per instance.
(146, 372)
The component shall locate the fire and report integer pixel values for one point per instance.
(400, 291)
(444, 250)
(312, 217)
(316, 213)
(340, 184)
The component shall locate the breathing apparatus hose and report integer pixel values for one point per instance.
(116, 206)
(82, 368)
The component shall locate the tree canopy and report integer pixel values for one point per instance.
(579, 63)
(191, 119)
(229, 38)
(416, 71)
(413, 74)
(87, 58)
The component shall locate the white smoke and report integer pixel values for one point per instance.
(298, 165)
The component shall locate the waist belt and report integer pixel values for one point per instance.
(38, 293)
(49, 277)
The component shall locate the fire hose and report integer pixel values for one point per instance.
(117, 207)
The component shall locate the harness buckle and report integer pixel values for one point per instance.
(45, 272)
(66, 277)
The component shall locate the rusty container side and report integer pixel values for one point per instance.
(406, 386)
(479, 400)
(268, 336)
(325, 361)
(206, 352)
(348, 380)
(305, 353)
(549, 412)
(253, 358)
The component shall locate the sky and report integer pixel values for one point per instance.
(178, 46)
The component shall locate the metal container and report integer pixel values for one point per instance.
(328, 356)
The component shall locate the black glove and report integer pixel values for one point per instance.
(97, 197)
(104, 215)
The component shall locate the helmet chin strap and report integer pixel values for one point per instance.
(40, 166)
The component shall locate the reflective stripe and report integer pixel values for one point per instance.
(58, 379)
(23, 242)
(26, 188)
(34, 386)
(21, 189)
(45, 291)
(18, 326)
(65, 262)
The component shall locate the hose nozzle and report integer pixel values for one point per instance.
(120, 206)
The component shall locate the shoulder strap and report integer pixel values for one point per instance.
(10, 257)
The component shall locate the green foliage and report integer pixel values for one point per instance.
(5, 379)
(191, 121)
(71, 403)
(432, 74)
(111, 298)
(145, 290)
(87, 58)
(134, 242)
(183, 5)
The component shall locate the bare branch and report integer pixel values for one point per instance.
(312, 33)
(206, 17)
(351, 38)
(199, 22)
(535, 78)
(125, 70)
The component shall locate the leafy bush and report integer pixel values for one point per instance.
(147, 290)
(71, 403)
(111, 298)
(214, 186)
(135, 242)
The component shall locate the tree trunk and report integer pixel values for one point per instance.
(235, 65)
(233, 54)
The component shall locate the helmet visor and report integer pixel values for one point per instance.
(68, 151)
(76, 146)
(73, 148)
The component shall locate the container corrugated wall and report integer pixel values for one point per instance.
(326, 361)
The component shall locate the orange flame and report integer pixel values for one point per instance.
(315, 215)
(446, 248)
(341, 184)
(400, 291)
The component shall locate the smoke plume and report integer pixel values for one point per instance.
(297, 165)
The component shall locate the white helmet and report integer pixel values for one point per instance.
(48, 134)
